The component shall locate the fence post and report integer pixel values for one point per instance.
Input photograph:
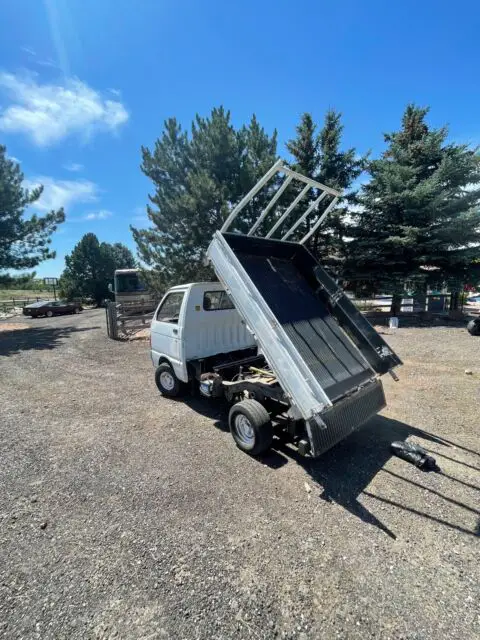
(111, 320)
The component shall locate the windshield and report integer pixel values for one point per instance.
(128, 283)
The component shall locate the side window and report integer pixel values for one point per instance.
(217, 301)
(170, 308)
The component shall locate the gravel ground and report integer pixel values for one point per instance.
(126, 515)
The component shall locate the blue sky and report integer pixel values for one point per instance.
(85, 83)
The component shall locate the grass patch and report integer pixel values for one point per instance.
(24, 294)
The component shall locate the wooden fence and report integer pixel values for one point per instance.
(18, 303)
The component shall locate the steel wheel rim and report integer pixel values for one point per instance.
(244, 430)
(167, 380)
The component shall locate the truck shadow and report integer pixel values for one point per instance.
(345, 471)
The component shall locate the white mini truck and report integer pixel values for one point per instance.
(276, 337)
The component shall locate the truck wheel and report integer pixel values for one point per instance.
(167, 382)
(473, 328)
(251, 427)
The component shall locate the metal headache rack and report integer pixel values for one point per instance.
(320, 190)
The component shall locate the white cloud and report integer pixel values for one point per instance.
(141, 219)
(47, 113)
(48, 62)
(33, 58)
(74, 166)
(62, 193)
(140, 216)
(103, 214)
(29, 50)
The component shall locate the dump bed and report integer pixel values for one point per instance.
(325, 354)
(319, 346)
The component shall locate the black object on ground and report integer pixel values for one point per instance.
(473, 327)
(415, 454)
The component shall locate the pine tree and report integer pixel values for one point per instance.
(122, 257)
(24, 242)
(419, 217)
(197, 179)
(90, 268)
(320, 157)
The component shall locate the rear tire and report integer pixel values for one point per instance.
(49, 314)
(473, 327)
(76, 310)
(167, 382)
(251, 427)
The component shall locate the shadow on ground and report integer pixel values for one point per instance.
(36, 338)
(346, 471)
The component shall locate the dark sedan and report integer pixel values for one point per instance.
(51, 308)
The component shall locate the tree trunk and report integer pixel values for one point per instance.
(454, 300)
(396, 304)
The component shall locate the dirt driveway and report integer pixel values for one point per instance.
(125, 515)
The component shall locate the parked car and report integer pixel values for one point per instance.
(51, 308)
(473, 299)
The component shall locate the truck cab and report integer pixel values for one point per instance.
(192, 327)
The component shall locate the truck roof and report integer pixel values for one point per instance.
(206, 285)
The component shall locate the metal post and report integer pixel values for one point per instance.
(273, 201)
(278, 166)
(319, 221)
(312, 183)
(304, 217)
(289, 210)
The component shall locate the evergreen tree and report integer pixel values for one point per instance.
(122, 257)
(320, 157)
(197, 179)
(24, 242)
(419, 216)
(90, 268)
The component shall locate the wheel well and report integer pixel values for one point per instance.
(163, 360)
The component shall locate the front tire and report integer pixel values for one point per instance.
(167, 382)
(251, 427)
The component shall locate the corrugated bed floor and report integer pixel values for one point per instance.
(333, 359)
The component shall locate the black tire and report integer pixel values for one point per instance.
(260, 425)
(473, 327)
(76, 310)
(163, 373)
(49, 314)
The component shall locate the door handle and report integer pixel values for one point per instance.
(175, 331)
